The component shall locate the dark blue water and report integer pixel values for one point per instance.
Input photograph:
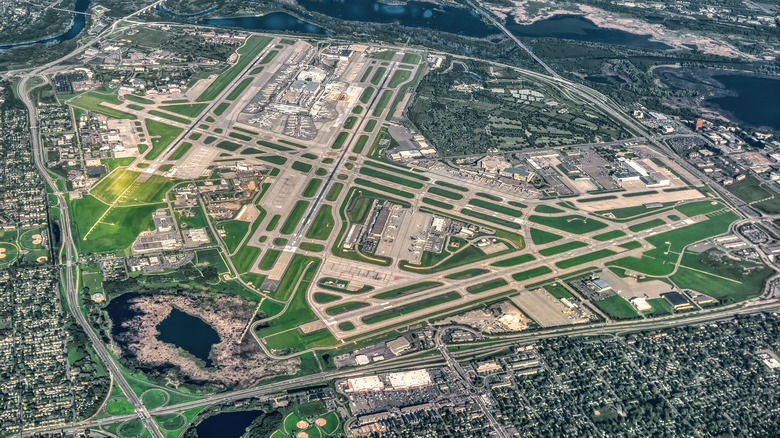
(754, 100)
(227, 424)
(576, 27)
(279, 21)
(449, 19)
(189, 333)
(77, 25)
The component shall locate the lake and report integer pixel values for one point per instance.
(579, 28)
(227, 424)
(752, 99)
(461, 21)
(275, 21)
(189, 333)
(77, 25)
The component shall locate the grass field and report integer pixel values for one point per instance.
(486, 286)
(572, 223)
(171, 117)
(396, 169)
(498, 208)
(322, 224)
(609, 235)
(312, 188)
(547, 209)
(445, 193)
(113, 185)
(384, 99)
(295, 217)
(187, 110)
(751, 191)
(451, 186)
(346, 307)
(437, 204)
(558, 291)
(247, 53)
(410, 308)
(489, 218)
(379, 74)
(92, 101)
(514, 261)
(401, 291)
(399, 77)
(579, 260)
(244, 258)
(138, 99)
(269, 259)
(722, 278)
(162, 135)
(234, 233)
(531, 273)
(617, 308)
(334, 192)
(468, 273)
(118, 229)
(181, 151)
(383, 188)
(646, 225)
(390, 178)
(541, 237)
(240, 88)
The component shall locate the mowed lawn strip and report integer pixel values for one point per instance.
(417, 287)
(410, 308)
(295, 217)
(498, 208)
(397, 169)
(322, 225)
(572, 223)
(390, 178)
(162, 136)
(247, 53)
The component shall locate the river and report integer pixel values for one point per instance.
(77, 25)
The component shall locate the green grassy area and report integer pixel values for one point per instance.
(660, 307)
(244, 258)
(646, 225)
(445, 193)
(383, 188)
(181, 151)
(390, 178)
(637, 210)
(498, 208)
(269, 259)
(346, 307)
(406, 309)
(247, 53)
(617, 308)
(361, 144)
(114, 185)
(92, 101)
(452, 186)
(170, 117)
(385, 55)
(118, 228)
(365, 97)
(692, 209)
(437, 204)
(531, 273)
(411, 58)
(558, 291)
(322, 224)
(406, 290)
(468, 273)
(491, 219)
(751, 191)
(162, 135)
(274, 159)
(300, 166)
(399, 77)
(137, 99)
(295, 217)
(334, 192)
(514, 261)
(235, 231)
(212, 257)
(541, 237)
(487, 286)
(571, 223)
(396, 168)
(312, 188)
(576, 261)
(609, 235)
(547, 209)
(661, 260)
(715, 274)
(464, 256)
(273, 222)
(187, 110)
(269, 57)
(325, 298)
(379, 74)
(384, 99)
(240, 88)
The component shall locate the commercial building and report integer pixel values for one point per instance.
(410, 379)
(365, 384)
(641, 304)
(398, 346)
(678, 301)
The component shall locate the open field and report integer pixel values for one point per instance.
(162, 135)
(187, 110)
(541, 237)
(572, 223)
(617, 307)
(92, 101)
(322, 224)
(399, 311)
